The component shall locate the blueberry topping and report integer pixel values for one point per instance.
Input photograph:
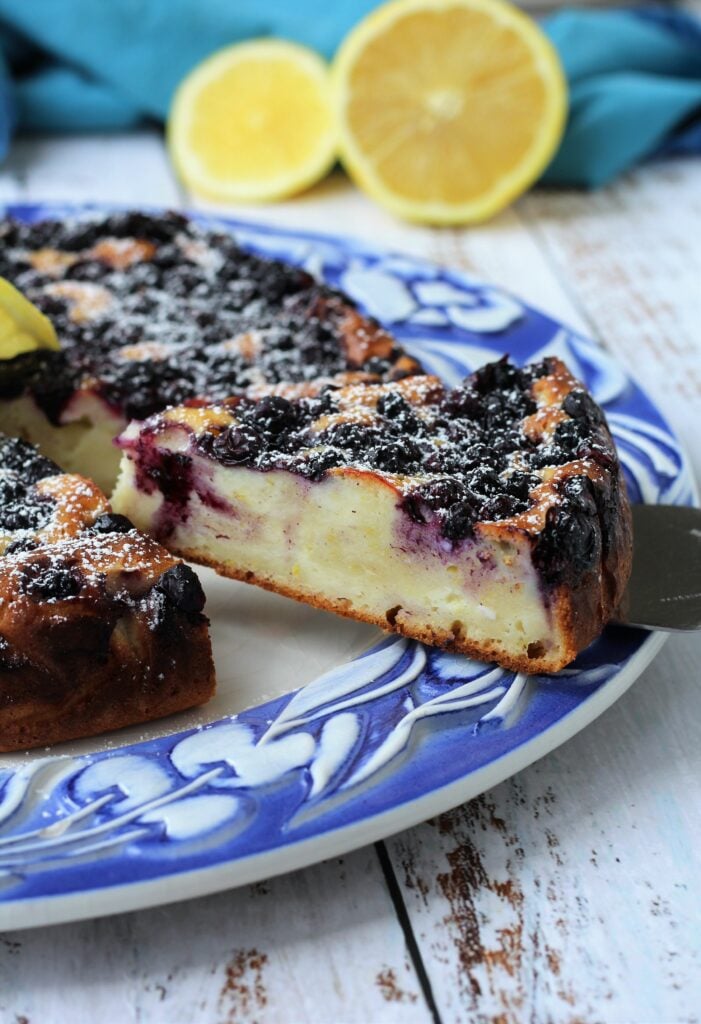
(569, 544)
(44, 581)
(501, 375)
(597, 452)
(436, 496)
(395, 456)
(470, 439)
(25, 514)
(273, 415)
(519, 485)
(460, 519)
(581, 406)
(25, 460)
(501, 506)
(19, 546)
(234, 446)
(183, 589)
(197, 305)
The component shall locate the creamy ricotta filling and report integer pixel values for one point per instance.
(82, 443)
(344, 542)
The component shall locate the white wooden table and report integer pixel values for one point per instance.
(569, 893)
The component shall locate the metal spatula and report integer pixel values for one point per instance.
(665, 586)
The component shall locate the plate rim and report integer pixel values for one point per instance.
(126, 897)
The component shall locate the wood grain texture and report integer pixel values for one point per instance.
(317, 946)
(630, 259)
(568, 893)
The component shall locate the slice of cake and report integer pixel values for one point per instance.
(100, 627)
(491, 519)
(152, 311)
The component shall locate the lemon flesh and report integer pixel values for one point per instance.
(448, 109)
(254, 122)
(23, 327)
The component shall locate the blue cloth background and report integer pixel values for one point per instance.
(72, 65)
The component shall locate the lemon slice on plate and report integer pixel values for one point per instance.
(254, 122)
(23, 328)
(448, 109)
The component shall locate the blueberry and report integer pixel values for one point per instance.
(235, 446)
(542, 369)
(378, 367)
(43, 581)
(569, 433)
(599, 453)
(501, 506)
(579, 492)
(87, 270)
(11, 489)
(78, 236)
(569, 544)
(182, 588)
(462, 402)
(581, 406)
(356, 438)
(393, 406)
(498, 376)
(484, 481)
(20, 545)
(25, 515)
(519, 485)
(112, 522)
(459, 520)
(437, 495)
(477, 455)
(508, 441)
(273, 414)
(322, 405)
(395, 456)
(315, 465)
(549, 455)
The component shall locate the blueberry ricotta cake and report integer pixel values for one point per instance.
(491, 519)
(100, 627)
(151, 311)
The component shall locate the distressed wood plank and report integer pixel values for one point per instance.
(120, 168)
(630, 257)
(564, 893)
(569, 892)
(319, 945)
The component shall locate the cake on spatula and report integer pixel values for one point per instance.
(490, 519)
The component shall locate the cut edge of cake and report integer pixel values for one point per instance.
(352, 540)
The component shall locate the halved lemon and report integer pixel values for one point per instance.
(23, 327)
(254, 122)
(448, 109)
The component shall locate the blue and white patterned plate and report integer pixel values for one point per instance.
(374, 744)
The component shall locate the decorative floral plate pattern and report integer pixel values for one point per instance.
(370, 747)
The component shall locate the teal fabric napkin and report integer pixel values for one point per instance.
(635, 88)
(634, 76)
